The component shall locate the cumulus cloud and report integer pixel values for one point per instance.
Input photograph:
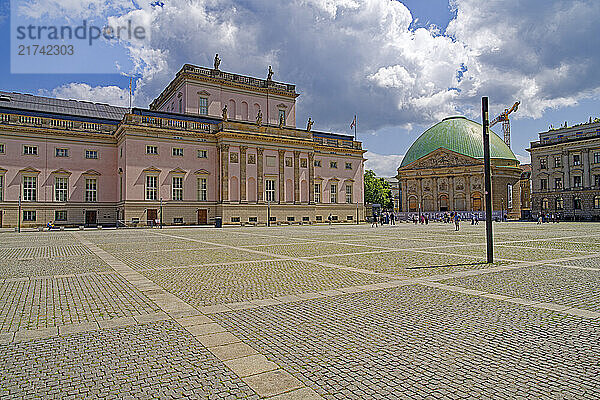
(365, 57)
(112, 95)
(383, 165)
(523, 159)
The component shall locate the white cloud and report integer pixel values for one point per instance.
(112, 95)
(523, 159)
(383, 165)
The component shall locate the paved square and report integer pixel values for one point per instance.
(303, 312)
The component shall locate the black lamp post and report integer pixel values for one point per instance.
(487, 171)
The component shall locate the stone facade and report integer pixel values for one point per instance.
(95, 164)
(566, 172)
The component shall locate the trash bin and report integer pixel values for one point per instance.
(218, 222)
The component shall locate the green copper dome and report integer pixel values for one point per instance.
(460, 135)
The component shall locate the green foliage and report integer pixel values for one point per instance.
(377, 190)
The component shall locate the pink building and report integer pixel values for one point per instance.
(200, 151)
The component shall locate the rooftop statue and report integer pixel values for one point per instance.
(259, 118)
(217, 61)
(309, 125)
(224, 112)
(281, 120)
(270, 74)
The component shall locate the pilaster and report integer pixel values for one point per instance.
(296, 177)
(311, 178)
(281, 176)
(259, 174)
(243, 185)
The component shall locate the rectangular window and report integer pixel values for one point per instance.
(544, 184)
(576, 159)
(597, 180)
(29, 216)
(596, 202)
(151, 187)
(288, 161)
(177, 152)
(543, 163)
(560, 204)
(557, 161)
(60, 215)
(29, 188)
(282, 116)
(180, 105)
(291, 219)
(333, 192)
(270, 190)
(332, 164)
(178, 220)
(577, 181)
(271, 161)
(251, 159)
(235, 219)
(202, 154)
(61, 188)
(1, 148)
(252, 219)
(349, 194)
(91, 190)
(303, 163)
(202, 189)
(61, 152)
(91, 154)
(596, 158)
(557, 183)
(178, 188)
(150, 149)
(1, 188)
(317, 163)
(203, 106)
(30, 150)
(348, 165)
(317, 192)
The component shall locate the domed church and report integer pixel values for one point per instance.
(443, 170)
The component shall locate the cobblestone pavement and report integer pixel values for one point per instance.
(305, 312)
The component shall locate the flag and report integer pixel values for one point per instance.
(353, 124)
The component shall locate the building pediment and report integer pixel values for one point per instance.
(202, 172)
(178, 171)
(152, 169)
(29, 170)
(92, 172)
(61, 171)
(442, 158)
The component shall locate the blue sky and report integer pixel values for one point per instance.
(400, 65)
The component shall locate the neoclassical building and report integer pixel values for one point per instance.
(213, 144)
(443, 171)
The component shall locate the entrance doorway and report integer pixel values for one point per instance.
(477, 203)
(152, 216)
(202, 217)
(91, 217)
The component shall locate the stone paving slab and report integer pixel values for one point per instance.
(38, 267)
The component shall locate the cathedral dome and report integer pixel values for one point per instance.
(460, 135)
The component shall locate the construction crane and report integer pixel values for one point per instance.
(505, 121)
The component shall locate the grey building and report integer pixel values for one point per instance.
(396, 195)
(565, 174)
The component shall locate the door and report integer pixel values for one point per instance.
(202, 217)
(91, 217)
(1, 212)
(152, 216)
(476, 203)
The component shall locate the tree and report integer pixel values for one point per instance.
(378, 191)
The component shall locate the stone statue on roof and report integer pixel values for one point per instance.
(259, 118)
(224, 113)
(309, 125)
(281, 120)
(217, 61)
(270, 74)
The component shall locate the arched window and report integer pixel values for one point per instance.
(559, 204)
(231, 111)
(545, 204)
(576, 203)
(443, 203)
(476, 202)
(412, 204)
(428, 204)
(596, 202)
(244, 111)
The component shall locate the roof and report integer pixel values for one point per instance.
(78, 108)
(460, 135)
(332, 135)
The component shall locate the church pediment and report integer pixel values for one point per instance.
(442, 158)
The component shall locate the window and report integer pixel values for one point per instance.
(177, 152)
(348, 165)
(349, 194)
(557, 183)
(317, 163)
(317, 192)
(303, 163)
(91, 190)
(557, 162)
(596, 157)
(29, 216)
(577, 181)
(560, 204)
(576, 203)
(543, 184)
(121, 152)
(178, 220)
(91, 154)
(543, 163)
(288, 161)
(203, 106)
(202, 189)
(151, 149)
(180, 105)
(349, 217)
(596, 202)
(233, 158)
(319, 218)
(61, 187)
(60, 152)
(30, 150)
(291, 219)
(270, 189)
(202, 154)
(332, 164)
(29, 188)
(178, 188)
(1, 148)
(576, 159)
(282, 116)
(1, 188)
(597, 180)
(333, 192)
(252, 219)
(60, 215)
(151, 187)
(251, 159)
(271, 161)
(235, 219)
(545, 204)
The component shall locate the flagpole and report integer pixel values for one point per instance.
(355, 123)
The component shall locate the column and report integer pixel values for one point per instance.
(420, 193)
(404, 195)
(311, 178)
(281, 176)
(451, 193)
(468, 192)
(566, 172)
(585, 159)
(225, 172)
(259, 174)
(296, 177)
(436, 200)
(243, 173)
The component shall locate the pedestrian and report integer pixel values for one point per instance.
(329, 218)
(456, 222)
(374, 221)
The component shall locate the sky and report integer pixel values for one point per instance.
(401, 66)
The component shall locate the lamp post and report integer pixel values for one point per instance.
(502, 209)
(268, 212)
(19, 216)
(487, 171)
(161, 213)
(357, 213)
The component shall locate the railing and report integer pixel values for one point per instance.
(246, 80)
(4, 118)
(90, 126)
(61, 123)
(348, 144)
(51, 122)
(546, 141)
(176, 124)
(26, 119)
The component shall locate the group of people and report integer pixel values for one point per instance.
(385, 218)
(554, 218)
